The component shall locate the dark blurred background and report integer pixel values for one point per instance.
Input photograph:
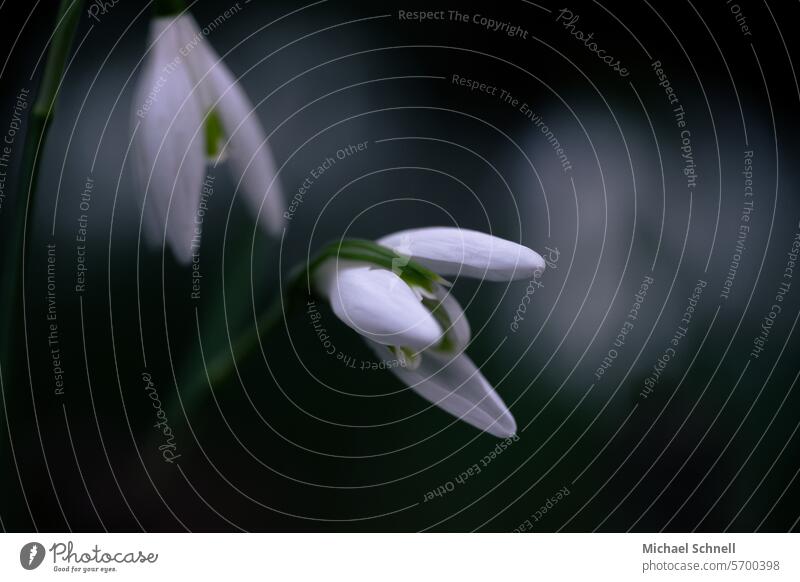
(297, 441)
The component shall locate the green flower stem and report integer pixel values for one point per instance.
(39, 121)
(168, 7)
(221, 365)
(215, 359)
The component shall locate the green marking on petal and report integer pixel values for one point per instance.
(408, 358)
(447, 344)
(215, 135)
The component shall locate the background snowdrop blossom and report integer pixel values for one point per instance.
(189, 109)
(419, 322)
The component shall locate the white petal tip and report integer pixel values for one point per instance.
(531, 262)
(505, 427)
(182, 253)
(274, 226)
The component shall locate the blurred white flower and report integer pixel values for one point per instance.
(422, 325)
(189, 107)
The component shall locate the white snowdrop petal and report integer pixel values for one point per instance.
(457, 386)
(160, 40)
(248, 153)
(377, 304)
(457, 251)
(167, 149)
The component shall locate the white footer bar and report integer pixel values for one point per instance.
(400, 557)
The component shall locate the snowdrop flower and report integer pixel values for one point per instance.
(189, 109)
(394, 295)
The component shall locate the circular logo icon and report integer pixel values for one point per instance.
(31, 555)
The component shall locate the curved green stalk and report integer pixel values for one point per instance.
(221, 365)
(39, 121)
(168, 7)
